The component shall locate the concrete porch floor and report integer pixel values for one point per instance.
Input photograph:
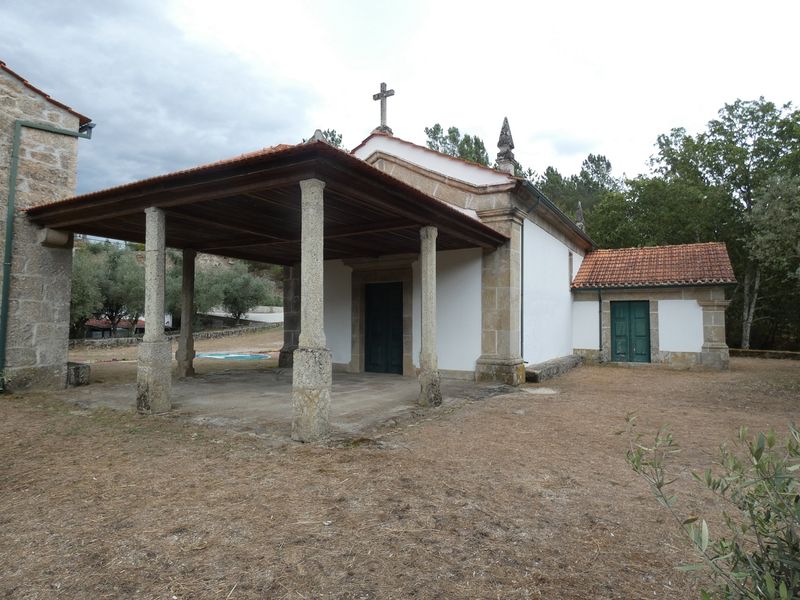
(259, 400)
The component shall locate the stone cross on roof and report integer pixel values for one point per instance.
(382, 96)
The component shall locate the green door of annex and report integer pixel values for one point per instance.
(630, 331)
(383, 328)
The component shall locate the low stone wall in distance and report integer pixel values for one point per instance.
(784, 354)
(200, 335)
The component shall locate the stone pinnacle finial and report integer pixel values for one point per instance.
(505, 156)
(579, 221)
(317, 137)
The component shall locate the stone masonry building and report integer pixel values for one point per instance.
(398, 259)
(37, 269)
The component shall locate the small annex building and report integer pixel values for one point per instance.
(398, 259)
(660, 304)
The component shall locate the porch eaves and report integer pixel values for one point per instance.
(249, 207)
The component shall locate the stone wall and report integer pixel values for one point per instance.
(200, 335)
(36, 350)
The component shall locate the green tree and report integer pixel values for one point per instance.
(207, 290)
(333, 137)
(775, 222)
(755, 554)
(453, 143)
(748, 144)
(85, 298)
(241, 291)
(121, 283)
(588, 187)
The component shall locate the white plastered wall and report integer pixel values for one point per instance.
(458, 309)
(432, 161)
(680, 326)
(546, 297)
(585, 325)
(337, 292)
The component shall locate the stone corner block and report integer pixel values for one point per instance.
(510, 371)
(78, 374)
(715, 356)
(154, 377)
(19, 379)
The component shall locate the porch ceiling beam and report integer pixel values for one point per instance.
(215, 223)
(331, 233)
(166, 197)
(361, 190)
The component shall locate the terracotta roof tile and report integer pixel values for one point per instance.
(235, 160)
(82, 119)
(656, 266)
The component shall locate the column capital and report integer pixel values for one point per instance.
(153, 210)
(312, 185)
(714, 304)
(429, 232)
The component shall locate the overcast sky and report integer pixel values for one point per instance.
(173, 83)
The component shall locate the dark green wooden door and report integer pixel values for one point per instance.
(630, 331)
(383, 328)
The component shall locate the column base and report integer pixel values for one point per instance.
(715, 356)
(154, 377)
(311, 393)
(510, 371)
(286, 357)
(430, 391)
(185, 360)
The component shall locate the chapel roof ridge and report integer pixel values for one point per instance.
(82, 119)
(375, 133)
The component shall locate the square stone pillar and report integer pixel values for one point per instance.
(154, 374)
(501, 302)
(430, 393)
(185, 352)
(312, 370)
(714, 353)
(291, 315)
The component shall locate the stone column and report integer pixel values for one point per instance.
(311, 376)
(154, 375)
(430, 393)
(185, 352)
(501, 279)
(714, 353)
(291, 315)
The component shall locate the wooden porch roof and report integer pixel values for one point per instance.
(249, 207)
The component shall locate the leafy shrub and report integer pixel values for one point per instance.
(758, 556)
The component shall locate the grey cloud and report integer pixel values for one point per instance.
(160, 101)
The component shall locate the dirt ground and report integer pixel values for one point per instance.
(516, 496)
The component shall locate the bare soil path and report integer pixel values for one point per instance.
(517, 496)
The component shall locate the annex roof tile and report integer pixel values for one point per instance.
(656, 266)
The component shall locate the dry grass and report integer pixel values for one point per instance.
(518, 496)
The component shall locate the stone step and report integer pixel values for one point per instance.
(536, 373)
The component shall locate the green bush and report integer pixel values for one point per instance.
(755, 479)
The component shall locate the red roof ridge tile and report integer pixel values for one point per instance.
(82, 119)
